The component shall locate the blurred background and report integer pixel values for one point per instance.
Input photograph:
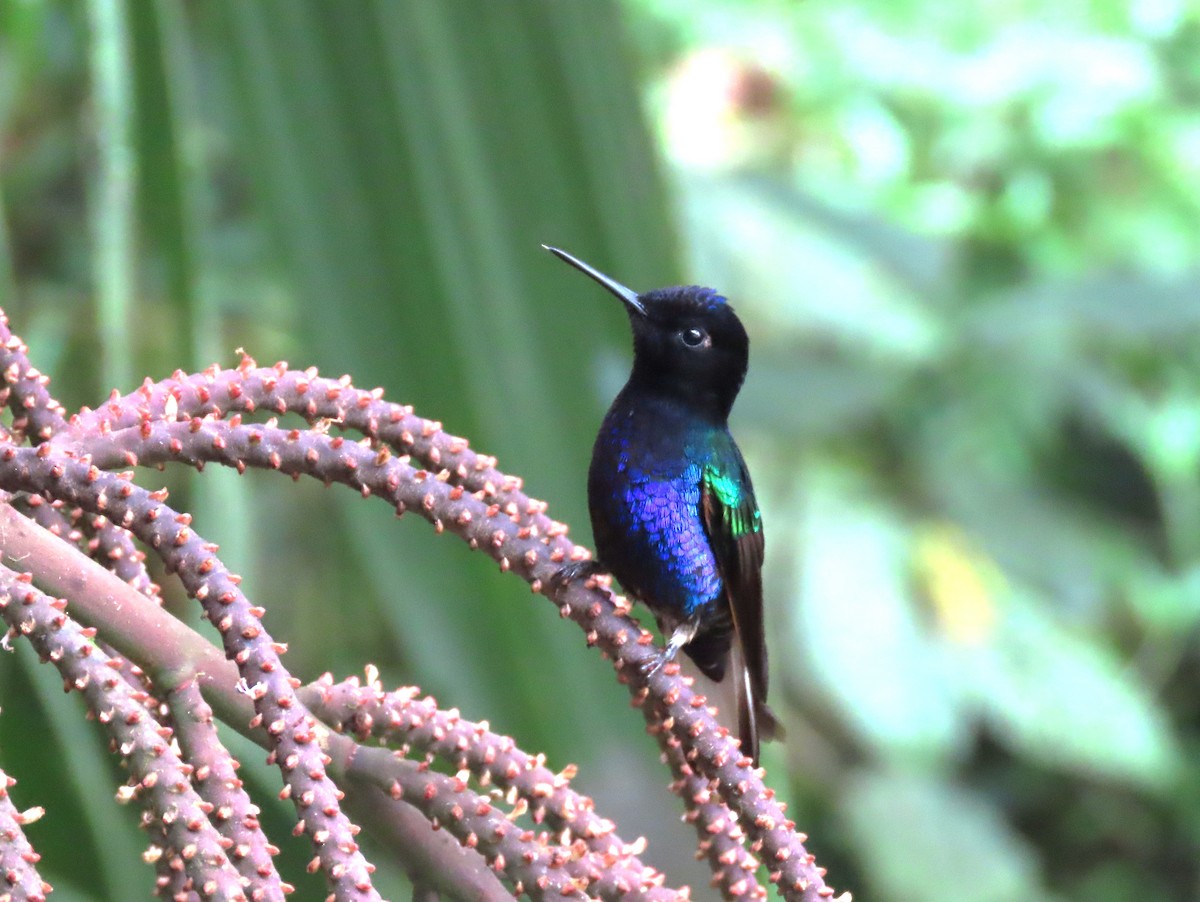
(963, 238)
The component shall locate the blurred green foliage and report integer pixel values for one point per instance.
(967, 235)
(963, 238)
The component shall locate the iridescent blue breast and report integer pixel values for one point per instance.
(644, 493)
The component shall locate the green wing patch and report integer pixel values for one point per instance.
(738, 516)
(734, 525)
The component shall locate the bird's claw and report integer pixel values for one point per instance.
(575, 571)
(662, 658)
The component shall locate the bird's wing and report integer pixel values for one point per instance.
(734, 526)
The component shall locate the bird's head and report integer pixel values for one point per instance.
(687, 341)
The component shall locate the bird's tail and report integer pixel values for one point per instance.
(756, 721)
(734, 698)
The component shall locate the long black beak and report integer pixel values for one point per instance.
(628, 295)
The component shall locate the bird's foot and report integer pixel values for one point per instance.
(680, 636)
(663, 657)
(575, 571)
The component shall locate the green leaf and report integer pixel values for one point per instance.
(407, 161)
(1058, 696)
(918, 830)
(858, 629)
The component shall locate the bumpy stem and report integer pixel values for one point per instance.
(37, 417)
(215, 777)
(183, 419)
(19, 878)
(611, 868)
(157, 775)
(104, 542)
(521, 538)
(176, 656)
(721, 840)
(35, 413)
(535, 866)
(290, 728)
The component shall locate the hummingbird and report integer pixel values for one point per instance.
(672, 508)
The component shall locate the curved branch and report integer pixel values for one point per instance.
(215, 778)
(158, 776)
(173, 654)
(36, 415)
(463, 492)
(519, 543)
(416, 723)
(290, 728)
(536, 867)
(19, 878)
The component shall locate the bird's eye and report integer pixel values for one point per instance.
(695, 338)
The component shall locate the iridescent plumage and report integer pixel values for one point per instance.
(672, 506)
